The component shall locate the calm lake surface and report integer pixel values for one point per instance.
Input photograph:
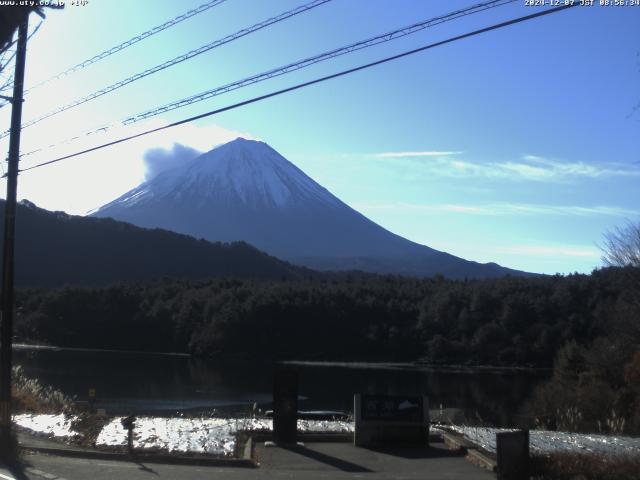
(156, 383)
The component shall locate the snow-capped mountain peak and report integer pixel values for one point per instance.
(242, 171)
(245, 190)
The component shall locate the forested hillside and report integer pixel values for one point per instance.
(55, 249)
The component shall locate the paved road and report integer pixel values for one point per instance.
(344, 461)
(45, 467)
(314, 461)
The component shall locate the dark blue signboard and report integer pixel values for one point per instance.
(392, 408)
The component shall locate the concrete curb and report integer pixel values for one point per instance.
(248, 451)
(480, 459)
(455, 442)
(308, 437)
(146, 457)
(473, 455)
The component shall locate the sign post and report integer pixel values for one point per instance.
(92, 399)
(512, 449)
(285, 406)
(129, 423)
(387, 419)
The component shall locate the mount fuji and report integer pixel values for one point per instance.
(245, 190)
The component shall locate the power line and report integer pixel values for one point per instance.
(4, 64)
(9, 81)
(132, 41)
(179, 59)
(309, 83)
(385, 37)
(7, 46)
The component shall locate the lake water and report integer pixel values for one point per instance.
(157, 383)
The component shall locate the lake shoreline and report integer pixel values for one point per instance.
(55, 348)
(427, 367)
(374, 365)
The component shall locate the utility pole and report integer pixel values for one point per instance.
(6, 328)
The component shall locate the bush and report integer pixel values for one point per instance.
(31, 396)
(585, 466)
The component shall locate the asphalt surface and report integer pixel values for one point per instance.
(309, 462)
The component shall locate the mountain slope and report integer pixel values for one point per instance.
(245, 190)
(53, 248)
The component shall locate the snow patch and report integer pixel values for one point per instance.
(542, 441)
(200, 435)
(59, 425)
(214, 436)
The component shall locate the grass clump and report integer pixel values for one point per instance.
(31, 396)
(585, 466)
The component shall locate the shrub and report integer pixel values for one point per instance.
(30, 395)
(585, 466)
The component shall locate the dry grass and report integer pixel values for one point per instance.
(585, 466)
(89, 426)
(30, 396)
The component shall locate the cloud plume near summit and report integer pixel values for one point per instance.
(188, 142)
(159, 159)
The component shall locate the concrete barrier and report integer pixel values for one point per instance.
(391, 420)
(512, 450)
(285, 406)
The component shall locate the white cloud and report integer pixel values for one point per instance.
(82, 183)
(416, 154)
(582, 168)
(546, 251)
(183, 143)
(203, 138)
(157, 160)
(524, 170)
(529, 167)
(531, 257)
(499, 209)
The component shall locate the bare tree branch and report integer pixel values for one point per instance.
(622, 246)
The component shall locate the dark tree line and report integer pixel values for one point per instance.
(588, 324)
(596, 383)
(508, 321)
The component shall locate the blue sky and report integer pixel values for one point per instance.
(519, 146)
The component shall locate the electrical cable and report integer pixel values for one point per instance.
(9, 81)
(382, 38)
(300, 64)
(179, 59)
(132, 41)
(309, 83)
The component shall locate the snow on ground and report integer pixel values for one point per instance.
(201, 435)
(333, 426)
(304, 426)
(542, 441)
(218, 435)
(58, 425)
(214, 435)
